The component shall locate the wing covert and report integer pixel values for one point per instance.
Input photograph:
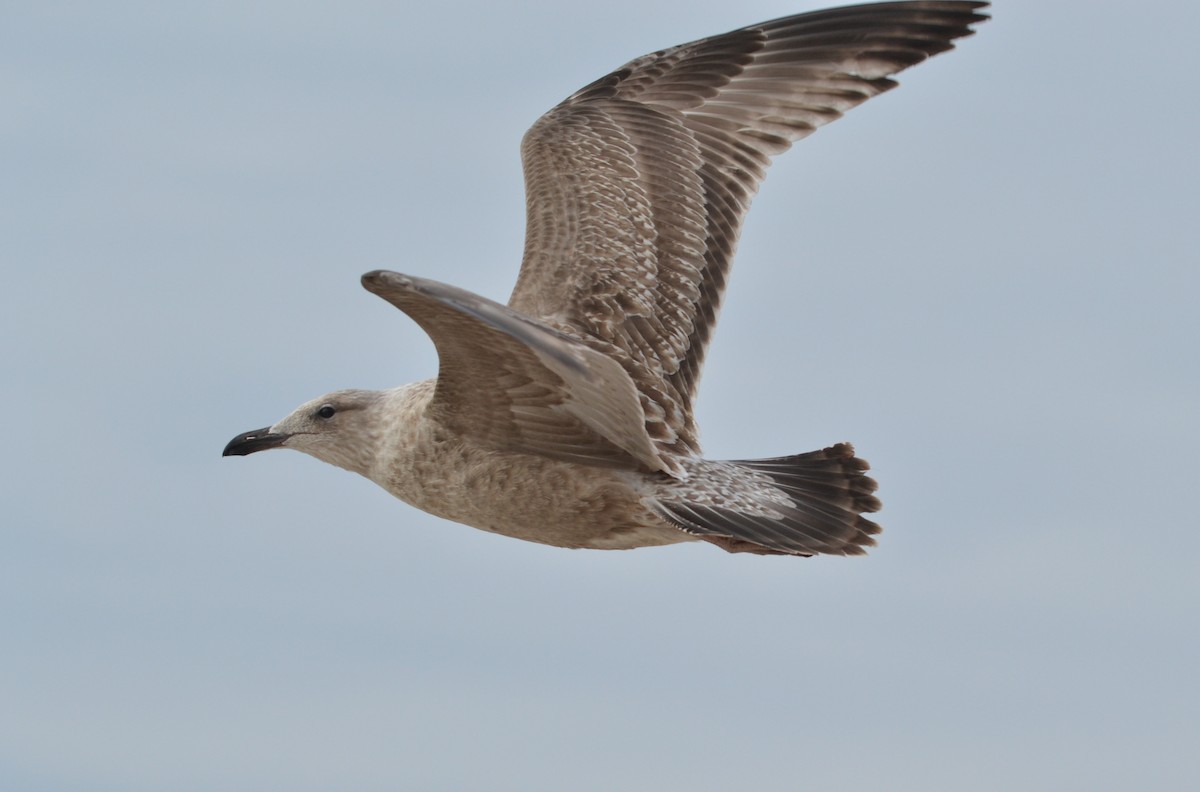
(510, 382)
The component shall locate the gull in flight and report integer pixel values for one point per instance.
(565, 416)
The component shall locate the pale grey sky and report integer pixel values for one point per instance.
(986, 280)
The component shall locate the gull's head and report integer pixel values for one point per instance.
(340, 428)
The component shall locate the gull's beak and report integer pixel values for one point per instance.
(254, 440)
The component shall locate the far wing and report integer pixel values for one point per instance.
(637, 185)
(514, 384)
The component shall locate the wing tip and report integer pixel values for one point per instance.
(380, 281)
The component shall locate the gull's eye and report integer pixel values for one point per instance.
(326, 411)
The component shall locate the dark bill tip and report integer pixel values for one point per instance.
(254, 440)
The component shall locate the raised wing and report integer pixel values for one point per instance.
(637, 185)
(510, 382)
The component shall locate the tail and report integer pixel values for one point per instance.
(795, 505)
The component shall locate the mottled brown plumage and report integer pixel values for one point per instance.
(566, 416)
(637, 185)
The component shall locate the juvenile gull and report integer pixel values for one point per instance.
(565, 417)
